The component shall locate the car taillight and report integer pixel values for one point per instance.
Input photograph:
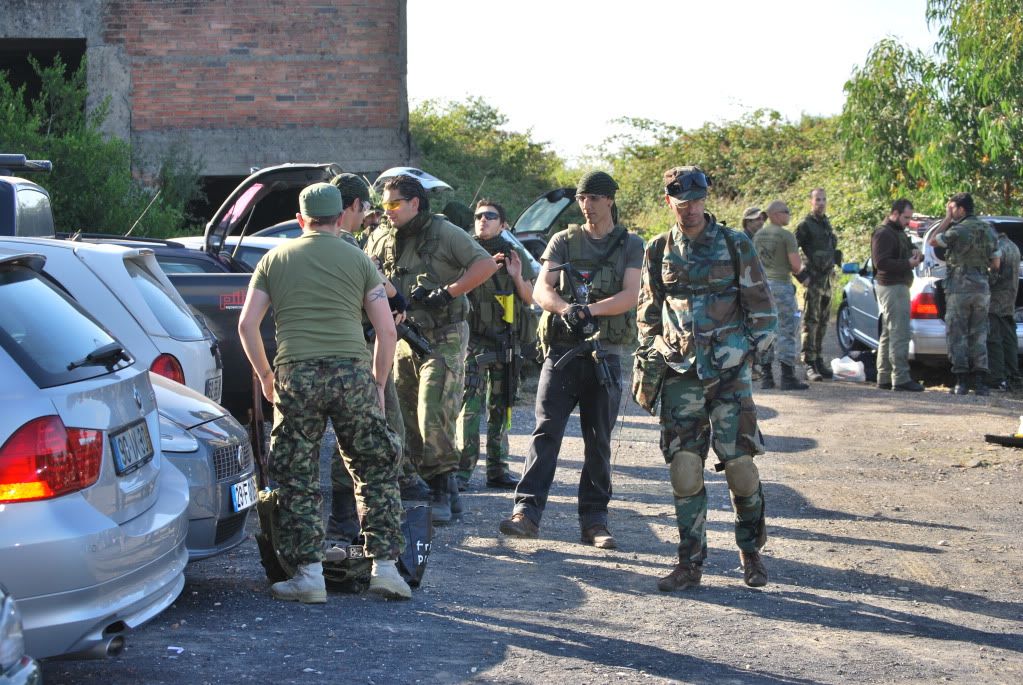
(43, 459)
(167, 366)
(923, 306)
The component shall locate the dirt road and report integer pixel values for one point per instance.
(895, 556)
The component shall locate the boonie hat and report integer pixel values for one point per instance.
(320, 200)
(686, 183)
(753, 213)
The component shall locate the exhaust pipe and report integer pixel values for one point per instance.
(109, 647)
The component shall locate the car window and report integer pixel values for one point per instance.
(34, 216)
(45, 332)
(170, 311)
(174, 265)
(541, 214)
(249, 256)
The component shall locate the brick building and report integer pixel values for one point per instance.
(239, 83)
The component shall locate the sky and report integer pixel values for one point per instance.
(565, 69)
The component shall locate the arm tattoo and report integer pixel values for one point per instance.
(377, 293)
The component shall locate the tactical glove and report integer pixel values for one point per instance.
(803, 276)
(580, 321)
(438, 297)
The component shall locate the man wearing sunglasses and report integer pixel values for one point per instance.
(605, 260)
(705, 312)
(819, 244)
(488, 329)
(433, 263)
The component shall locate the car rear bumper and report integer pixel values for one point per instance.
(25, 672)
(928, 340)
(77, 619)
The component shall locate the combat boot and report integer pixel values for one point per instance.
(767, 380)
(962, 386)
(385, 581)
(414, 489)
(812, 374)
(306, 586)
(343, 522)
(456, 500)
(684, 576)
(789, 380)
(823, 369)
(440, 499)
(753, 572)
(979, 386)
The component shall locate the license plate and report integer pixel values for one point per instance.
(132, 448)
(215, 387)
(243, 495)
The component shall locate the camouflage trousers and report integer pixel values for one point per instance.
(1002, 350)
(966, 324)
(696, 415)
(816, 311)
(786, 346)
(893, 346)
(340, 479)
(483, 385)
(430, 394)
(306, 394)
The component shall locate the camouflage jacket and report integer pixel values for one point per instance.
(970, 247)
(1005, 281)
(819, 243)
(703, 302)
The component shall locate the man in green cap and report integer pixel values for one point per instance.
(433, 263)
(319, 286)
(819, 244)
(582, 344)
(705, 312)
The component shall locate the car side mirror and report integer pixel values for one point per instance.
(851, 268)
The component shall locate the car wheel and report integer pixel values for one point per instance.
(843, 327)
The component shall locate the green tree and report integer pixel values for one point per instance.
(91, 187)
(466, 145)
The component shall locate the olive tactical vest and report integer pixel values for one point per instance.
(408, 261)
(486, 314)
(606, 278)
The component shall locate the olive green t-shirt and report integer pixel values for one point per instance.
(317, 283)
(774, 244)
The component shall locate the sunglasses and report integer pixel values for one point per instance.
(694, 179)
(488, 215)
(391, 205)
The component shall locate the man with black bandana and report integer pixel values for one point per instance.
(607, 259)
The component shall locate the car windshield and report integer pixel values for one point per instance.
(541, 214)
(45, 332)
(170, 310)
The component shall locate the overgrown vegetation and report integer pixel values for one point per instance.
(91, 186)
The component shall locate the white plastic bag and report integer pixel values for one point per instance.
(846, 369)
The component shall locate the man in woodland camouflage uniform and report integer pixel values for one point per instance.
(705, 311)
(1002, 347)
(433, 263)
(319, 286)
(970, 252)
(819, 244)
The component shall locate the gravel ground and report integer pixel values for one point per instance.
(894, 556)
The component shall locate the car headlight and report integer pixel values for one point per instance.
(175, 437)
(12, 639)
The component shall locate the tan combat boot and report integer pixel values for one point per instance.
(385, 581)
(306, 586)
(684, 576)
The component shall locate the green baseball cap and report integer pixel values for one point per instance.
(320, 200)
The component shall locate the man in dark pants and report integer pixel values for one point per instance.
(1002, 346)
(608, 258)
(819, 244)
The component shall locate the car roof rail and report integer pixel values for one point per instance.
(11, 164)
(82, 236)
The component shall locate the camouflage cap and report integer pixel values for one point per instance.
(351, 187)
(320, 200)
(686, 183)
(753, 213)
(597, 183)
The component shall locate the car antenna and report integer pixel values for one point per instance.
(143, 213)
(473, 200)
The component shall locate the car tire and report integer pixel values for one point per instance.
(843, 328)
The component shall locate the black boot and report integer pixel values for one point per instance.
(456, 500)
(823, 369)
(767, 380)
(789, 380)
(440, 499)
(343, 522)
(812, 374)
(979, 386)
(962, 386)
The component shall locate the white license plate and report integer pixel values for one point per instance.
(132, 448)
(215, 387)
(243, 495)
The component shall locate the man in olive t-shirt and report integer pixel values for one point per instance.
(779, 255)
(319, 286)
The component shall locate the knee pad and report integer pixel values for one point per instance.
(686, 474)
(742, 476)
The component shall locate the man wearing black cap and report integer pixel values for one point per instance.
(582, 343)
(705, 311)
